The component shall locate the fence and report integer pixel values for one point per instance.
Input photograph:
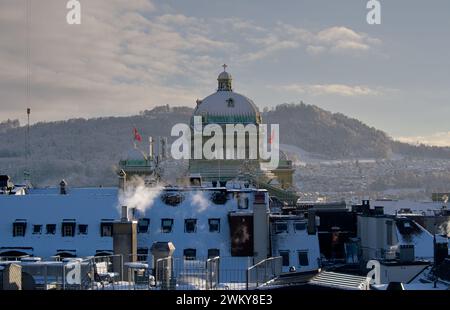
(112, 273)
(263, 272)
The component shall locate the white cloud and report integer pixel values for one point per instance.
(436, 139)
(328, 89)
(126, 56)
(315, 49)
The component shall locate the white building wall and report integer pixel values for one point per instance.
(295, 241)
(86, 206)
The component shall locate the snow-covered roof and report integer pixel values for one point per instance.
(411, 233)
(391, 206)
(227, 103)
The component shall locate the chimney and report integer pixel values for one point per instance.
(365, 207)
(261, 245)
(62, 187)
(150, 147)
(163, 148)
(122, 180)
(124, 242)
(124, 217)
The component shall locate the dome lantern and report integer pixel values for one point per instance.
(225, 80)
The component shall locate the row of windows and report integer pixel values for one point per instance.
(190, 225)
(283, 227)
(68, 229)
(302, 258)
(191, 254)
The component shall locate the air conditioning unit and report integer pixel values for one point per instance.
(391, 253)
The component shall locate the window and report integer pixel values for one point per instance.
(142, 254)
(106, 229)
(19, 228)
(82, 229)
(285, 258)
(50, 229)
(37, 229)
(281, 227)
(213, 253)
(68, 229)
(243, 203)
(143, 225)
(190, 254)
(303, 258)
(230, 103)
(214, 225)
(299, 226)
(166, 225)
(190, 226)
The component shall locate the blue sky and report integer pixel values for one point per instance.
(128, 56)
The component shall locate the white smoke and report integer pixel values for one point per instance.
(138, 196)
(200, 201)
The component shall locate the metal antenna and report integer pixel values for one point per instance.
(28, 99)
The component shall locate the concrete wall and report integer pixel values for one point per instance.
(372, 232)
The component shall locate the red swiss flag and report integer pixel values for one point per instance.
(137, 136)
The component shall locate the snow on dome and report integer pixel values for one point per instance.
(227, 104)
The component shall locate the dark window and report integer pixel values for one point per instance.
(106, 229)
(166, 225)
(230, 103)
(214, 225)
(68, 229)
(285, 257)
(303, 258)
(213, 253)
(190, 226)
(281, 227)
(37, 229)
(82, 229)
(143, 225)
(50, 229)
(142, 254)
(19, 228)
(299, 226)
(190, 254)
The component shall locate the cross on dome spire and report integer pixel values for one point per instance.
(224, 67)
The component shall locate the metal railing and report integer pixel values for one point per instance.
(218, 273)
(113, 273)
(264, 271)
(12, 258)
